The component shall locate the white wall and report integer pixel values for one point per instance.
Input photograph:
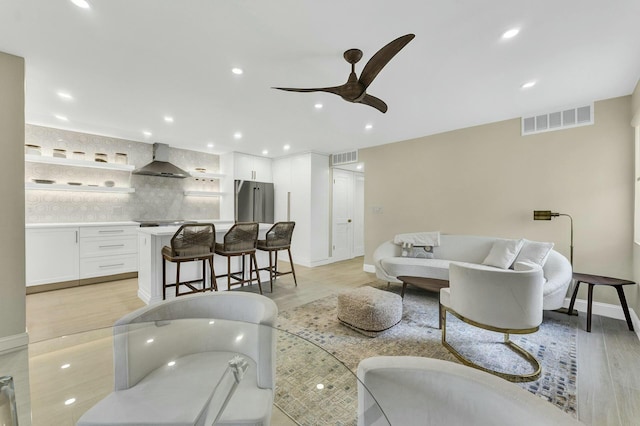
(13, 337)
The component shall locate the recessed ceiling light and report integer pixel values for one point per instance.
(210, 145)
(265, 152)
(286, 147)
(511, 33)
(69, 401)
(147, 133)
(237, 135)
(168, 119)
(65, 366)
(318, 106)
(65, 95)
(237, 71)
(81, 3)
(359, 167)
(369, 126)
(61, 117)
(528, 84)
(171, 363)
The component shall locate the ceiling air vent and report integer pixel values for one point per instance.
(558, 120)
(344, 158)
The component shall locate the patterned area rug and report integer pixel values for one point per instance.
(554, 345)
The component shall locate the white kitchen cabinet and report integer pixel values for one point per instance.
(71, 254)
(250, 167)
(301, 187)
(52, 255)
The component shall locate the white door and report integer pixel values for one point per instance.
(342, 215)
(348, 214)
(358, 215)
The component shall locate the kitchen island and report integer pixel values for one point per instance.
(150, 243)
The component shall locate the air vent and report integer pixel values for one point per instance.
(558, 120)
(344, 158)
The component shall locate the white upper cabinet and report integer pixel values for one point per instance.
(250, 167)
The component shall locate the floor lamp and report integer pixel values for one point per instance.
(548, 215)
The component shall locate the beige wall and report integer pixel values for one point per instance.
(634, 297)
(12, 284)
(487, 180)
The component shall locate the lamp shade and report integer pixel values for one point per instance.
(543, 214)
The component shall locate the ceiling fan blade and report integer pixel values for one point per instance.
(335, 89)
(382, 57)
(374, 102)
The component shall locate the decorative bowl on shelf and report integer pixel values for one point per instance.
(74, 183)
(100, 157)
(47, 181)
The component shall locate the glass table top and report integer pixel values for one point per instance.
(70, 374)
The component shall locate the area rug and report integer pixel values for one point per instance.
(554, 345)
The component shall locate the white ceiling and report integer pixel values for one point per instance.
(128, 63)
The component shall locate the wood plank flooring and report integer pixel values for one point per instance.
(608, 357)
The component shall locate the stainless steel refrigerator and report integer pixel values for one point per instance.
(253, 201)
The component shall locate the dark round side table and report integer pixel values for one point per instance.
(593, 280)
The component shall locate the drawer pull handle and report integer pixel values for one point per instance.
(110, 231)
(111, 245)
(112, 266)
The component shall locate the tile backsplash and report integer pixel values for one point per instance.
(155, 198)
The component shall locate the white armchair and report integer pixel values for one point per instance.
(505, 301)
(166, 372)
(414, 391)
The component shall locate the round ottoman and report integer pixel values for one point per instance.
(368, 310)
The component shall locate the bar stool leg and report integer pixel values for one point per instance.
(204, 275)
(178, 279)
(164, 278)
(293, 270)
(255, 263)
(214, 281)
(270, 270)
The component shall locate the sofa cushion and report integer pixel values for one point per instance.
(503, 253)
(534, 252)
(416, 267)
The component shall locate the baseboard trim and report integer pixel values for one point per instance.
(606, 310)
(369, 268)
(13, 342)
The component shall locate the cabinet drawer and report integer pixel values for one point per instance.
(108, 231)
(108, 265)
(106, 246)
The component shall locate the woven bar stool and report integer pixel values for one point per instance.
(240, 240)
(278, 238)
(191, 242)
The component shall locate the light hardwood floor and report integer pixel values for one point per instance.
(608, 357)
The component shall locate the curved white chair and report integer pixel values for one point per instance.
(414, 391)
(505, 301)
(146, 391)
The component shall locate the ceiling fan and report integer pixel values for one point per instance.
(355, 89)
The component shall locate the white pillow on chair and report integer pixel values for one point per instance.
(503, 253)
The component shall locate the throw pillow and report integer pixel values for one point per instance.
(503, 253)
(534, 252)
(423, 252)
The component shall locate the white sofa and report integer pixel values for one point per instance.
(415, 391)
(170, 358)
(389, 264)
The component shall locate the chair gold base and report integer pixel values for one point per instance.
(516, 378)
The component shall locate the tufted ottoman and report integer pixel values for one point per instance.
(368, 310)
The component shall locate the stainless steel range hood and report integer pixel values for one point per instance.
(160, 166)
